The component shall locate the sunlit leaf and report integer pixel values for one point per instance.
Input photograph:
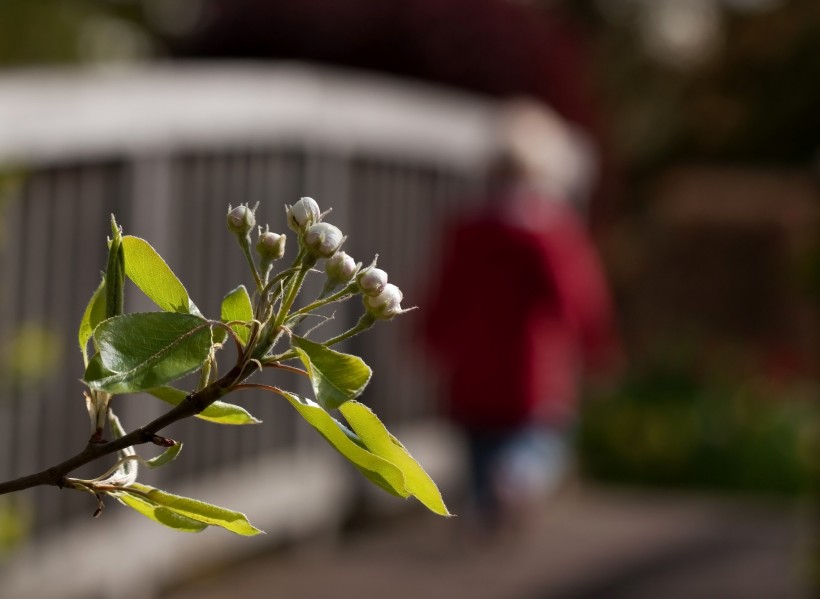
(159, 513)
(335, 377)
(146, 268)
(378, 439)
(237, 306)
(219, 412)
(94, 314)
(146, 350)
(377, 469)
(169, 455)
(207, 513)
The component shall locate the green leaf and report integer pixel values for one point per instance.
(169, 455)
(158, 513)
(146, 350)
(335, 377)
(94, 314)
(377, 469)
(114, 274)
(198, 510)
(219, 412)
(146, 268)
(237, 306)
(379, 440)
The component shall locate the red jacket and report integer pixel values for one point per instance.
(520, 308)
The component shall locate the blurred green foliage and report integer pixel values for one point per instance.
(31, 353)
(667, 429)
(15, 524)
(49, 32)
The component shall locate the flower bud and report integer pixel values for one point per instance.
(303, 214)
(372, 281)
(322, 240)
(270, 246)
(241, 220)
(340, 268)
(386, 304)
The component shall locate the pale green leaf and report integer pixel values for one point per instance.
(146, 350)
(378, 439)
(159, 513)
(219, 412)
(377, 469)
(237, 306)
(213, 515)
(94, 314)
(146, 268)
(335, 377)
(169, 455)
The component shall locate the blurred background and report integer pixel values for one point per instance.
(697, 469)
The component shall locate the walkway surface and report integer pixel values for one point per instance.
(586, 544)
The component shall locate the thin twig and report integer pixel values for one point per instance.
(285, 367)
(261, 386)
(192, 405)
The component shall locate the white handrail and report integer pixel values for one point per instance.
(57, 115)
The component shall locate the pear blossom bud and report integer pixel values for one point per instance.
(340, 268)
(386, 304)
(270, 246)
(372, 281)
(322, 240)
(241, 220)
(303, 214)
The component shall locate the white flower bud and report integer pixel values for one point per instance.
(303, 214)
(241, 220)
(372, 281)
(340, 268)
(323, 239)
(271, 246)
(385, 305)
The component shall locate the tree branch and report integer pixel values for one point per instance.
(193, 404)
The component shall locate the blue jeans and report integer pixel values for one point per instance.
(528, 462)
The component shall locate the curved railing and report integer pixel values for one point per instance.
(167, 148)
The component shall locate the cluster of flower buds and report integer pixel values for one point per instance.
(320, 240)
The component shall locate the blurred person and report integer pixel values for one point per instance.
(519, 312)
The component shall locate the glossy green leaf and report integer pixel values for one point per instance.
(159, 513)
(198, 510)
(377, 469)
(237, 306)
(94, 314)
(146, 268)
(335, 377)
(378, 439)
(219, 412)
(146, 350)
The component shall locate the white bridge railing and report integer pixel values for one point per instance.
(166, 149)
